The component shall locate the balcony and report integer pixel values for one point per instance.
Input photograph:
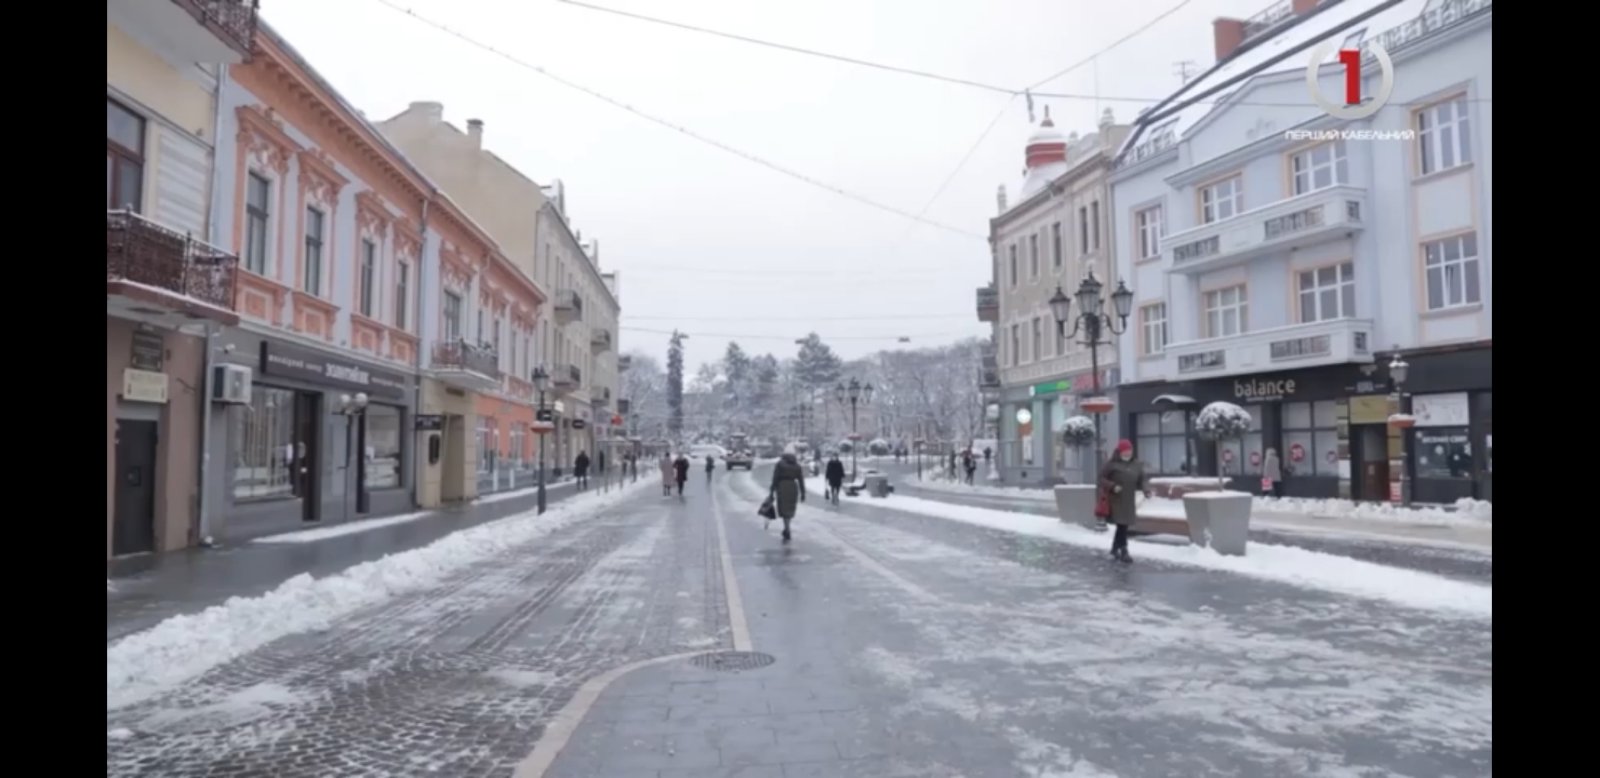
(465, 366)
(1297, 222)
(624, 362)
(154, 273)
(569, 306)
(600, 397)
(204, 31)
(1281, 348)
(600, 339)
(988, 303)
(566, 378)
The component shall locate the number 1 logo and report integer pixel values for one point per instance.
(1352, 107)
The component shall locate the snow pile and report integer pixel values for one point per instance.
(1078, 430)
(1468, 511)
(185, 646)
(1282, 564)
(939, 482)
(1222, 421)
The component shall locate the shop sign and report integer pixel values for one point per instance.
(149, 351)
(1263, 388)
(1050, 387)
(1297, 453)
(429, 422)
(144, 386)
(1441, 410)
(1205, 360)
(579, 424)
(1369, 409)
(544, 414)
(279, 359)
(1301, 348)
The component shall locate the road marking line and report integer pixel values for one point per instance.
(736, 620)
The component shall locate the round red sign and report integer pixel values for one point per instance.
(1227, 455)
(1255, 458)
(1333, 456)
(1297, 452)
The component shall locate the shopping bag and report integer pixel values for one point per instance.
(1102, 505)
(1266, 486)
(768, 510)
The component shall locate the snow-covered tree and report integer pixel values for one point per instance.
(644, 385)
(675, 385)
(1222, 422)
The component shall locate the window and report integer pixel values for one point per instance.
(1227, 312)
(1452, 269)
(369, 268)
(1222, 200)
(1150, 227)
(1016, 344)
(452, 316)
(1153, 328)
(1310, 439)
(1013, 264)
(495, 335)
(124, 158)
(1161, 441)
(1319, 167)
(1055, 245)
(1444, 136)
(1327, 293)
(1443, 452)
(312, 272)
(383, 446)
(488, 441)
(258, 192)
(1038, 340)
(1083, 230)
(1244, 454)
(1094, 223)
(402, 293)
(480, 339)
(264, 445)
(1033, 256)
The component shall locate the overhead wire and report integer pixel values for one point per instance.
(747, 156)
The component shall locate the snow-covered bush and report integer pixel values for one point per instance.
(1221, 422)
(1078, 431)
(878, 447)
(846, 446)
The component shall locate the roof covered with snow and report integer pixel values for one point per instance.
(1397, 23)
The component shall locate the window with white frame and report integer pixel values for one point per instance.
(1055, 244)
(1327, 293)
(1222, 200)
(1451, 266)
(1227, 312)
(1033, 256)
(495, 343)
(1444, 135)
(452, 316)
(1094, 223)
(1153, 328)
(1016, 344)
(1083, 230)
(1013, 264)
(1149, 224)
(1038, 340)
(402, 295)
(257, 214)
(369, 272)
(1319, 167)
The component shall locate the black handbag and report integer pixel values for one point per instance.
(768, 509)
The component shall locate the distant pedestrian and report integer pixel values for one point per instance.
(580, 470)
(667, 472)
(1121, 480)
(680, 469)
(988, 454)
(969, 463)
(952, 465)
(835, 478)
(711, 467)
(1272, 474)
(788, 487)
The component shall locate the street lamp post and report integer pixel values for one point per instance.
(1399, 369)
(1094, 324)
(855, 394)
(541, 378)
(917, 444)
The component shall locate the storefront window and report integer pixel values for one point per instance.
(519, 434)
(383, 447)
(1162, 442)
(1311, 438)
(1244, 454)
(1443, 452)
(264, 454)
(486, 444)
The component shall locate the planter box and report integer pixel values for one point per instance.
(1075, 504)
(1220, 520)
(1175, 487)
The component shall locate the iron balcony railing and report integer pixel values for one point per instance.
(569, 300)
(461, 355)
(143, 252)
(233, 20)
(566, 375)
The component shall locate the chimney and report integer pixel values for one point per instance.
(1000, 198)
(1228, 35)
(594, 251)
(1304, 7)
(475, 132)
(429, 111)
(1106, 119)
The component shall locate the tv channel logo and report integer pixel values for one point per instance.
(1354, 103)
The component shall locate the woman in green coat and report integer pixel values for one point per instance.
(788, 488)
(1121, 480)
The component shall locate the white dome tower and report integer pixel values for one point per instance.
(1045, 158)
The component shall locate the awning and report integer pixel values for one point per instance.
(1173, 399)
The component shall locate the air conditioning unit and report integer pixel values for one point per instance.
(231, 384)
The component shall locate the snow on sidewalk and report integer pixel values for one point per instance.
(185, 646)
(1282, 564)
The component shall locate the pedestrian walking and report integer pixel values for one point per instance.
(1272, 474)
(835, 476)
(711, 467)
(680, 469)
(667, 472)
(952, 465)
(969, 463)
(788, 487)
(1121, 480)
(580, 470)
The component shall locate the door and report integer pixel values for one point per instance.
(133, 528)
(1372, 455)
(308, 455)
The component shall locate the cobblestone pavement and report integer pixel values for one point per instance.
(1460, 564)
(911, 646)
(458, 680)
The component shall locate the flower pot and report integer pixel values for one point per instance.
(1219, 519)
(1075, 504)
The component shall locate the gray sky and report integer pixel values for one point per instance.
(713, 244)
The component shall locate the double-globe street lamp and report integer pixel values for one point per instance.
(541, 378)
(1399, 369)
(854, 394)
(1095, 325)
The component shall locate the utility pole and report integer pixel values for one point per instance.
(1184, 70)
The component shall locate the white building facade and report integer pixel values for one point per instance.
(1057, 234)
(1282, 262)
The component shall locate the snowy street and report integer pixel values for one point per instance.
(900, 644)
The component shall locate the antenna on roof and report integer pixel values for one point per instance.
(1184, 70)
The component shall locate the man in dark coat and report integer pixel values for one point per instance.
(835, 477)
(580, 470)
(1120, 481)
(680, 468)
(788, 488)
(969, 463)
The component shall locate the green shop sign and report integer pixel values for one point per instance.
(1052, 387)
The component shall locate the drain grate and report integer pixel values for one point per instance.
(733, 661)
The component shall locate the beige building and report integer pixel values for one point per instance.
(167, 287)
(1053, 237)
(575, 337)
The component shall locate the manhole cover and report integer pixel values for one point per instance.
(733, 661)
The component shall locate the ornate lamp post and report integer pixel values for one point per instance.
(1399, 369)
(855, 394)
(541, 379)
(1097, 326)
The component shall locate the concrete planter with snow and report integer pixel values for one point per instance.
(1219, 519)
(1075, 504)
